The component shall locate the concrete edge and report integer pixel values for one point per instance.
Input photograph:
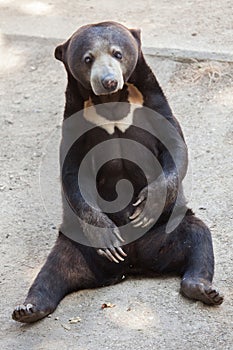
(179, 55)
(188, 56)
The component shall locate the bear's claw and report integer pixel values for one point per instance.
(27, 313)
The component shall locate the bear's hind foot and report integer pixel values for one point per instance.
(200, 289)
(28, 313)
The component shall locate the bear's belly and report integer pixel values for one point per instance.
(121, 181)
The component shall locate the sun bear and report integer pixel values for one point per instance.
(123, 159)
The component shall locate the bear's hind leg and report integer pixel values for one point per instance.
(64, 271)
(199, 268)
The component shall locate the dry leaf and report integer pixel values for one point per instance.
(106, 305)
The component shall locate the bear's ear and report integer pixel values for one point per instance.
(60, 51)
(137, 34)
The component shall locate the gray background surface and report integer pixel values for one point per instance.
(149, 313)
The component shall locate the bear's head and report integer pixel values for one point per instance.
(101, 56)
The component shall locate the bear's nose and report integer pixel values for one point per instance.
(109, 83)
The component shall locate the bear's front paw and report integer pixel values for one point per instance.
(104, 235)
(110, 241)
(149, 206)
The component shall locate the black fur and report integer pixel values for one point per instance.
(187, 251)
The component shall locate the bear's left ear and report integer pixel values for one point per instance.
(60, 51)
(137, 34)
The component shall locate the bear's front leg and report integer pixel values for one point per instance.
(99, 230)
(166, 191)
(64, 271)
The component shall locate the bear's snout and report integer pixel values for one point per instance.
(106, 75)
(109, 83)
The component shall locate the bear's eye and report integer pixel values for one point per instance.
(88, 59)
(117, 54)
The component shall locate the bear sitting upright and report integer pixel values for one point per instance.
(114, 105)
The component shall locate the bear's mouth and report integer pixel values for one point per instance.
(120, 95)
(107, 89)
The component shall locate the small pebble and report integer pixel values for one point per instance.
(202, 208)
(74, 320)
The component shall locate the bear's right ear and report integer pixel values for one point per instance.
(60, 51)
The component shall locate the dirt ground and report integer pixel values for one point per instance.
(148, 313)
